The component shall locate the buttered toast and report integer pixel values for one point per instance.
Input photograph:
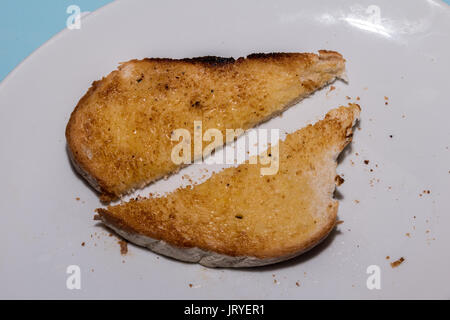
(119, 135)
(240, 218)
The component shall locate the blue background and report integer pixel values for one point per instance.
(27, 24)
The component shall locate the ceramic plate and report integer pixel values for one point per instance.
(395, 205)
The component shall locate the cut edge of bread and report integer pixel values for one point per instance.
(213, 259)
(107, 197)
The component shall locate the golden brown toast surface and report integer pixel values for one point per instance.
(239, 212)
(119, 135)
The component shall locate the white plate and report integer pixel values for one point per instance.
(397, 49)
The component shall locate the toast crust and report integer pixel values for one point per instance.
(118, 135)
(288, 214)
(207, 258)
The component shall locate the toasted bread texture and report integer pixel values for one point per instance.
(240, 218)
(119, 135)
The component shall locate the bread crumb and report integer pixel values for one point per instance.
(297, 284)
(348, 98)
(408, 234)
(190, 285)
(387, 257)
(77, 198)
(356, 201)
(83, 244)
(123, 247)
(339, 180)
(398, 262)
(366, 161)
(332, 88)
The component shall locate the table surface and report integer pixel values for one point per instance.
(26, 25)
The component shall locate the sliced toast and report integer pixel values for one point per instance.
(119, 135)
(240, 218)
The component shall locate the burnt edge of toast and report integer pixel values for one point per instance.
(215, 61)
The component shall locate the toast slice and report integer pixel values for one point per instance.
(119, 135)
(239, 218)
